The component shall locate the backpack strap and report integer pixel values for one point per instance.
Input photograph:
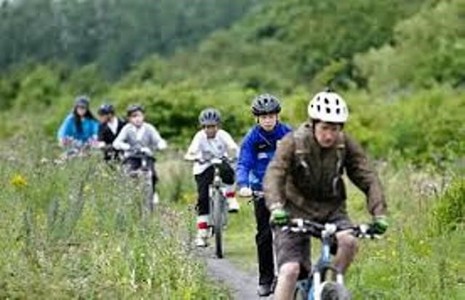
(341, 153)
(301, 150)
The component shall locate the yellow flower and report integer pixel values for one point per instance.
(18, 181)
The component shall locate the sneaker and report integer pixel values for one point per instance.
(264, 290)
(201, 239)
(156, 198)
(233, 205)
(201, 242)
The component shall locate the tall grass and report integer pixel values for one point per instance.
(75, 231)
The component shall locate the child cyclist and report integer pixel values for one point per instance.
(257, 150)
(211, 142)
(138, 135)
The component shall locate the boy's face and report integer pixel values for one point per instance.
(211, 130)
(104, 118)
(137, 118)
(268, 122)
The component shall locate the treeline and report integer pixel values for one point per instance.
(400, 65)
(114, 34)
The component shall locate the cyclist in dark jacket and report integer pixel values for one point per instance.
(110, 127)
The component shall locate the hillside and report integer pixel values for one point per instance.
(400, 65)
(368, 50)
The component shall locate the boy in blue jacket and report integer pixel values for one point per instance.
(257, 150)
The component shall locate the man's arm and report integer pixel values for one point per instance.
(364, 177)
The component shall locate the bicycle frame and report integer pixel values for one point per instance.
(317, 276)
(218, 215)
(313, 287)
(217, 188)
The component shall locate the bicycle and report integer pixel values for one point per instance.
(218, 204)
(317, 286)
(144, 175)
(75, 149)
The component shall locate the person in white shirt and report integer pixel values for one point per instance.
(137, 136)
(211, 142)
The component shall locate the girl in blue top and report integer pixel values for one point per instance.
(80, 126)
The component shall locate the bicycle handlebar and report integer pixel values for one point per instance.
(139, 154)
(213, 161)
(319, 230)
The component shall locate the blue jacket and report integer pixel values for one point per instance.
(257, 150)
(68, 129)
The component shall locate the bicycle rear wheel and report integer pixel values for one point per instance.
(218, 223)
(334, 291)
(148, 191)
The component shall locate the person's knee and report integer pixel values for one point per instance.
(289, 271)
(347, 242)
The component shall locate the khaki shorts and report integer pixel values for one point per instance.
(291, 247)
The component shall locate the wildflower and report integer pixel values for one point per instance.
(18, 181)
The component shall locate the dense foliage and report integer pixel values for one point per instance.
(113, 33)
(399, 65)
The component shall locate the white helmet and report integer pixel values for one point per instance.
(328, 106)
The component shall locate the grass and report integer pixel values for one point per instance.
(76, 231)
(411, 262)
(240, 238)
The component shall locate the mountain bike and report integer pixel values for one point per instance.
(319, 285)
(144, 176)
(218, 205)
(75, 149)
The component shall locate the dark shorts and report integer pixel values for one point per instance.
(293, 247)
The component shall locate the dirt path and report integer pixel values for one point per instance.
(243, 285)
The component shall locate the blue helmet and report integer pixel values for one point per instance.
(209, 116)
(106, 109)
(82, 101)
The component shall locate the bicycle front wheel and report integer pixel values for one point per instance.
(334, 291)
(218, 224)
(300, 294)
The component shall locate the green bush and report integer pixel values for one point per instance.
(449, 213)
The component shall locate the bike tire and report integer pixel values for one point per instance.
(218, 224)
(300, 294)
(149, 192)
(334, 291)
